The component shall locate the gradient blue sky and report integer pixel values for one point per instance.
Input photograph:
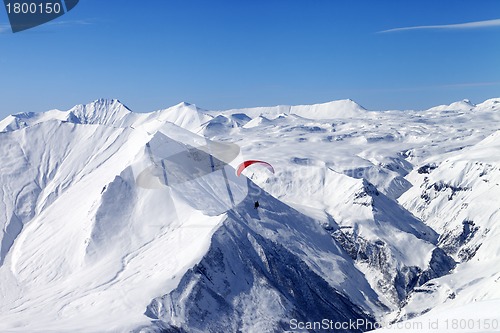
(228, 54)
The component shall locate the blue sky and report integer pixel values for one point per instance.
(151, 54)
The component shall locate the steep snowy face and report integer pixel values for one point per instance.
(457, 194)
(62, 204)
(37, 168)
(264, 268)
(393, 248)
(397, 250)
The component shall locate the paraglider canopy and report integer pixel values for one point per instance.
(246, 164)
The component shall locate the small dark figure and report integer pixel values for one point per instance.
(256, 205)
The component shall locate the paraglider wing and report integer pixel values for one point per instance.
(246, 164)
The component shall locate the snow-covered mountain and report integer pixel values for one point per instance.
(115, 221)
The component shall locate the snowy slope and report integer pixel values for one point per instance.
(334, 109)
(264, 268)
(128, 242)
(464, 105)
(470, 318)
(458, 197)
(121, 221)
(388, 149)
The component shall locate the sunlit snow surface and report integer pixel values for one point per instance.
(118, 221)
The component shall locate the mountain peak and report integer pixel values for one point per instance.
(344, 108)
(463, 105)
(106, 102)
(183, 104)
(345, 103)
(100, 111)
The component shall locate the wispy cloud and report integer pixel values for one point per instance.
(432, 87)
(469, 25)
(470, 84)
(72, 22)
(4, 28)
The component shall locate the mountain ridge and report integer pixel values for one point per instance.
(122, 116)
